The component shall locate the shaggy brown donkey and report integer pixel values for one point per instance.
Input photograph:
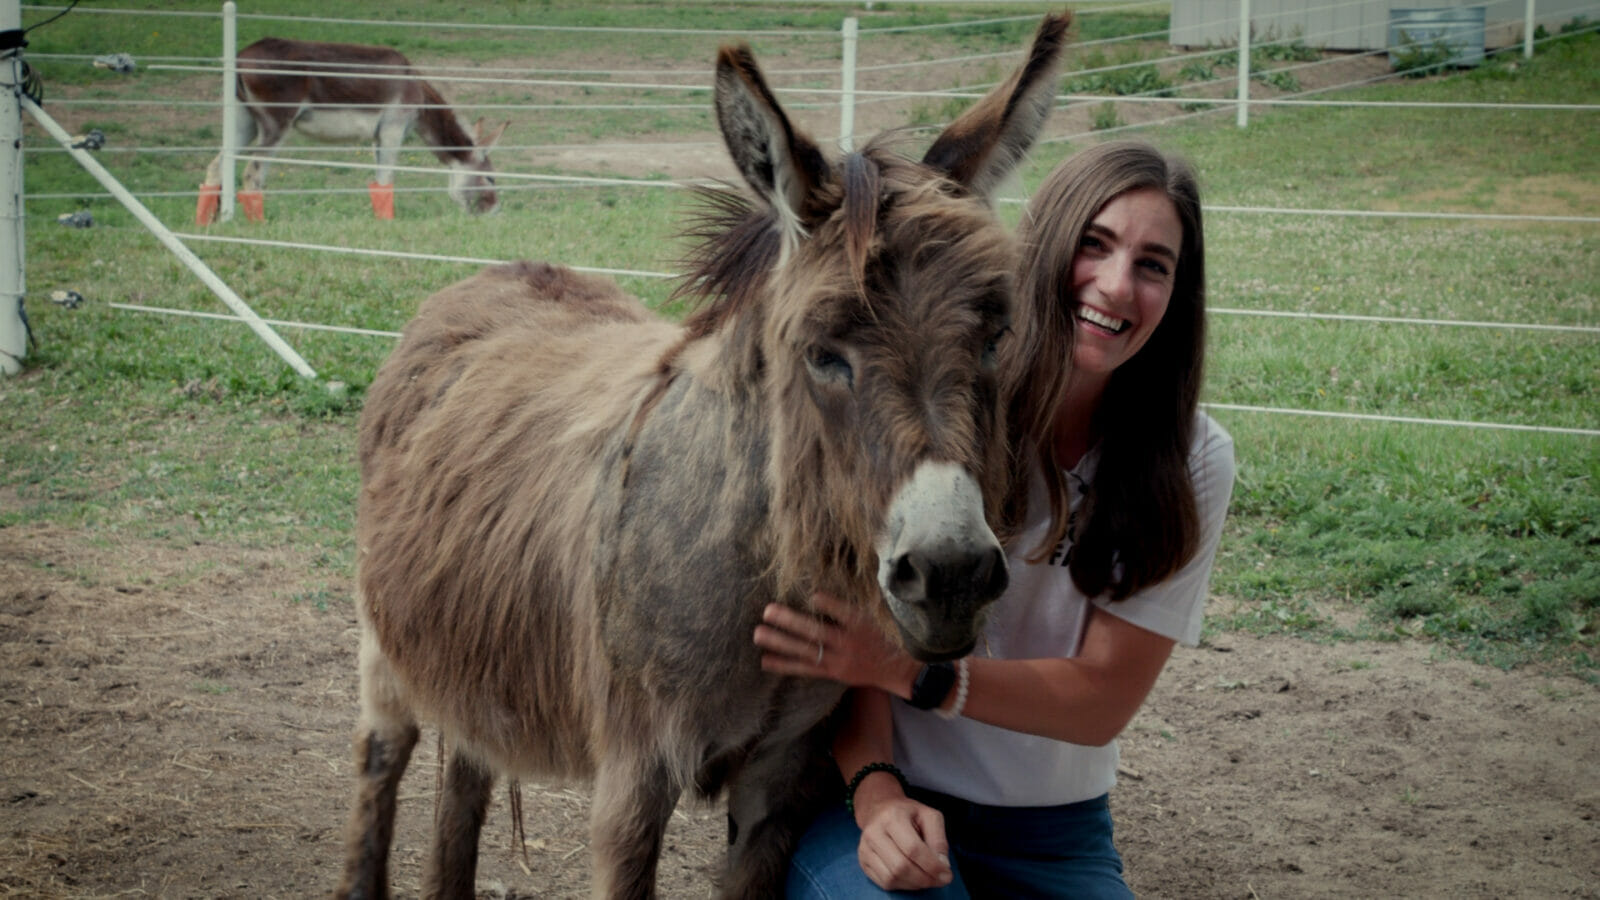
(572, 511)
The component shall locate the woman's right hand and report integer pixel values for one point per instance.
(903, 845)
(850, 649)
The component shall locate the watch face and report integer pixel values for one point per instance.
(932, 685)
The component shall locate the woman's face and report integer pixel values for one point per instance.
(1123, 276)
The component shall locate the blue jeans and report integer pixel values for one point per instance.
(995, 851)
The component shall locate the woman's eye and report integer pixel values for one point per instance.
(1157, 267)
(826, 365)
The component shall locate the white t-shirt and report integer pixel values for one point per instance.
(1043, 614)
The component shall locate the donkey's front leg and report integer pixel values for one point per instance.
(452, 867)
(770, 804)
(634, 796)
(381, 757)
(385, 735)
(386, 143)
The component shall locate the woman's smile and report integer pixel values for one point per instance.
(1122, 275)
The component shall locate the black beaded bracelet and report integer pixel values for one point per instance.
(868, 769)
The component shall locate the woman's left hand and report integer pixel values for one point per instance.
(850, 649)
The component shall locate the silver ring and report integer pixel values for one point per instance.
(819, 653)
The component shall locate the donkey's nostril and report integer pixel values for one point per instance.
(906, 580)
(995, 581)
(964, 577)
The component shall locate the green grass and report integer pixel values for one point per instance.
(1485, 541)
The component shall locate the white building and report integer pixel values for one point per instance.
(1358, 24)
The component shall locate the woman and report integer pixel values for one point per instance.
(990, 777)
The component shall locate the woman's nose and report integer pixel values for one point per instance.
(1115, 278)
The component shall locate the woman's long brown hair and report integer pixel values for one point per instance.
(1139, 522)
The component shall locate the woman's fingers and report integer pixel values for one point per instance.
(786, 655)
(832, 607)
(778, 641)
(836, 643)
(926, 864)
(796, 623)
(895, 854)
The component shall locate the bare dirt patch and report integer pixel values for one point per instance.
(175, 722)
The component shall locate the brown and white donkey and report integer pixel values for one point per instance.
(343, 93)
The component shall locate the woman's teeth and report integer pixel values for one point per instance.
(1095, 317)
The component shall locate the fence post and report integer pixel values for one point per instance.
(847, 86)
(1244, 63)
(1527, 31)
(230, 106)
(13, 282)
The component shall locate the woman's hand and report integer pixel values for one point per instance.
(903, 845)
(850, 648)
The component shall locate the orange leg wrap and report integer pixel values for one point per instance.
(382, 199)
(254, 205)
(205, 207)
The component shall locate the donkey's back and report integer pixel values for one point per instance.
(556, 320)
(318, 68)
(478, 450)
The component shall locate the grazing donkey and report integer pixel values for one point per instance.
(349, 92)
(572, 512)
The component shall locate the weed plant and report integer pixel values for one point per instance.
(1278, 78)
(1105, 117)
(1418, 59)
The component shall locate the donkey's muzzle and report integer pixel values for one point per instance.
(939, 564)
(952, 588)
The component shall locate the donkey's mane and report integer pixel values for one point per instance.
(736, 245)
(438, 125)
(738, 241)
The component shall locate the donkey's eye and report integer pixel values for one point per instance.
(827, 366)
(991, 350)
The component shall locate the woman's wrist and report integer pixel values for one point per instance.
(875, 787)
(904, 678)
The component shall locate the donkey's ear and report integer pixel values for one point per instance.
(485, 137)
(981, 147)
(782, 165)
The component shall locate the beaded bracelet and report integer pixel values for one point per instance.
(868, 769)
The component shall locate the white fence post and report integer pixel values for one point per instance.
(847, 86)
(13, 282)
(230, 106)
(1244, 63)
(1527, 31)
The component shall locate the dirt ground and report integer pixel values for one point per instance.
(175, 722)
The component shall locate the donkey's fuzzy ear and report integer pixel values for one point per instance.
(782, 165)
(981, 147)
(484, 136)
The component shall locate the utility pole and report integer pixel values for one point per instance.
(13, 284)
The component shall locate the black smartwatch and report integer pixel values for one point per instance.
(932, 685)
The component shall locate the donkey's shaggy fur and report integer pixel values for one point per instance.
(573, 512)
